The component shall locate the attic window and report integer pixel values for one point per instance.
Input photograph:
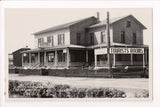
(128, 24)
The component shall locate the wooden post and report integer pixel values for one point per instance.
(143, 60)
(95, 58)
(56, 58)
(108, 41)
(30, 63)
(44, 57)
(114, 60)
(68, 57)
(131, 59)
(38, 57)
(22, 59)
(86, 55)
(108, 44)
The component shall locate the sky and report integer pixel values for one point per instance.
(20, 23)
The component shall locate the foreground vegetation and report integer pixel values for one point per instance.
(27, 89)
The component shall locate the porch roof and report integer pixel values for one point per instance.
(116, 45)
(56, 48)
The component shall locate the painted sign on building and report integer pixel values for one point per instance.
(120, 51)
(100, 51)
(127, 50)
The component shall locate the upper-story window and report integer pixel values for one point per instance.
(50, 40)
(40, 41)
(128, 24)
(91, 38)
(134, 38)
(78, 38)
(122, 36)
(103, 37)
(61, 39)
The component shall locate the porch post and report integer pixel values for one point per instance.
(131, 59)
(114, 60)
(143, 61)
(86, 55)
(146, 56)
(44, 57)
(30, 59)
(38, 57)
(68, 57)
(22, 59)
(55, 61)
(95, 58)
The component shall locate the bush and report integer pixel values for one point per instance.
(29, 89)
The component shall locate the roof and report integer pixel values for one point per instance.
(117, 44)
(56, 47)
(66, 25)
(20, 50)
(102, 23)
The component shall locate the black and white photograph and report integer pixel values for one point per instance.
(78, 53)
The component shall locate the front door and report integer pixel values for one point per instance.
(41, 58)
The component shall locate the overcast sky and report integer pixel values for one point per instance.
(20, 23)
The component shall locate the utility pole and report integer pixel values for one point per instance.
(108, 43)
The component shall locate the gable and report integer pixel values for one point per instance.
(130, 18)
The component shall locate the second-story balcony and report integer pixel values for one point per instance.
(44, 45)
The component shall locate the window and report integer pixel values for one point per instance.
(40, 41)
(78, 38)
(61, 56)
(61, 39)
(122, 36)
(102, 57)
(50, 57)
(26, 58)
(123, 57)
(81, 56)
(50, 40)
(137, 57)
(103, 37)
(128, 24)
(134, 38)
(91, 38)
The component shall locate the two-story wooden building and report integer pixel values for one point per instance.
(83, 43)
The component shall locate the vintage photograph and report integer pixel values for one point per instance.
(78, 53)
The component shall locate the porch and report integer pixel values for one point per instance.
(63, 58)
(122, 57)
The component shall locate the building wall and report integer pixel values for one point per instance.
(97, 34)
(115, 32)
(65, 31)
(81, 28)
(17, 59)
(135, 28)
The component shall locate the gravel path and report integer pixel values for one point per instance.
(133, 83)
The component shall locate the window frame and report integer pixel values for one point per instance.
(40, 41)
(134, 38)
(91, 38)
(61, 39)
(103, 35)
(78, 38)
(128, 23)
(122, 36)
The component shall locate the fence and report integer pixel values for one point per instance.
(103, 73)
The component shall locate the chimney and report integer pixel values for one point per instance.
(98, 20)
